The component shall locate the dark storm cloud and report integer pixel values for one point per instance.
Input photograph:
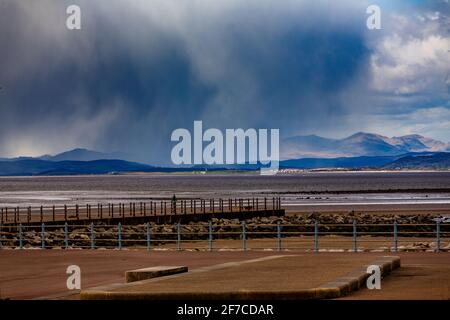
(139, 69)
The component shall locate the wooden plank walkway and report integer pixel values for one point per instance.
(159, 211)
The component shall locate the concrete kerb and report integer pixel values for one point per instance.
(357, 278)
(153, 272)
(337, 288)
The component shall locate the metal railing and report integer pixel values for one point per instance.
(315, 237)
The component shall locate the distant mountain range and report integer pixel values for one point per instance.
(31, 167)
(78, 154)
(84, 155)
(417, 161)
(359, 151)
(357, 145)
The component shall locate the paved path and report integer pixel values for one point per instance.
(271, 276)
(29, 274)
(34, 273)
(422, 276)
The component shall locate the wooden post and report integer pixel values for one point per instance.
(53, 213)
(77, 212)
(42, 214)
(65, 212)
(273, 205)
(29, 215)
(145, 213)
(15, 215)
(165, 208)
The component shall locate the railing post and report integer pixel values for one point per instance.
(178, 237)
(395, 236)
(43, 236)
(210, 236)
(438, 236)
(244, 237)
(42, 214)
(278, 236)
(92, 236)
(119, 229)
(20, 236)
(316, 237)
(273, 205)
(148, 237)
(65, 212)
(53, 213)
(66, 235)
(355, 248)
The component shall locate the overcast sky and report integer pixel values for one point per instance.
(138, 69)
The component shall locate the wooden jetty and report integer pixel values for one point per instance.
(158, 211)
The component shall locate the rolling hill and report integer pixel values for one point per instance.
(32, 167)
